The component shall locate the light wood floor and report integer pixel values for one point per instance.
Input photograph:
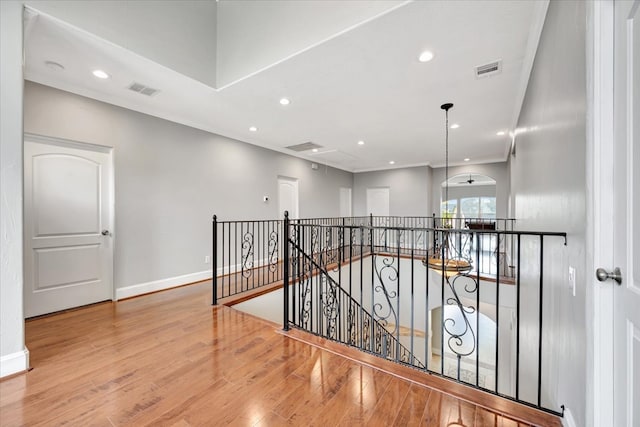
(172, 359)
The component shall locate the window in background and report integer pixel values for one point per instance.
(487, 207)
(449, 209)
(470, 207)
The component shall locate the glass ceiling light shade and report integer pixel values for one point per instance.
(448, 267)
(446, 259)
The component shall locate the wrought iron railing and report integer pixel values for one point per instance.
(246, 255)
(485, 332)
(319, 304)
(492, 245)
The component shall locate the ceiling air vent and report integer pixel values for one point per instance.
(304, 146)
(142, 89)
(487, 70)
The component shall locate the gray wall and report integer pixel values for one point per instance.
(170, 179)
(548, 190)
(11, 314)
(498, 171)
(409, 190)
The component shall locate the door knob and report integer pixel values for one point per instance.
(105, 232)
(616, 274)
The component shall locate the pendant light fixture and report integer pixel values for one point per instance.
(445, 258)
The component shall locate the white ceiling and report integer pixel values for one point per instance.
(364, 83)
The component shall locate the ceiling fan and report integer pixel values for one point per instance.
(469, 181)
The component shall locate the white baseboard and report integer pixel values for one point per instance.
(159, 285)
(567, 420)
(14, 363)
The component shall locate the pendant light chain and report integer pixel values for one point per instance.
(446, 161)
(446, 108)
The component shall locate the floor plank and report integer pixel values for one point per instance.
(171, 359)
(413, 407)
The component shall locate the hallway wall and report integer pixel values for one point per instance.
(170, 179)
(409, 190)
(548, 192)
(13, 354)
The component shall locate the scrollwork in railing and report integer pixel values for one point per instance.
(330, 306)
(352, 328)
(406, 356)
(366, 333)
(329, 252)
(247, 255)
(340, 246)
(384, 238)
(462, 338)
(305, 283)
(466, 244)
(419, 234)
(387, 287)
(273, 250)
(400, 234)
(305, 301)
(314, 240)
(355, 242)
(378, 345)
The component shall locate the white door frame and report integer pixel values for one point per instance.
(600, 206)
(62, 142)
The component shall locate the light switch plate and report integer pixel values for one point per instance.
(572, 280)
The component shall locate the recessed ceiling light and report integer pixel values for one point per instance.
(100, 74)
(467, 159)
(500, 133)
(391, 162)
(54, 65)
(253, 129)
(455, 126)
(285, 101)
(315, 150)
(425, 56)
(360, 142)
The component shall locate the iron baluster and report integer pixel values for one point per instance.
(285, 266)
(518, 319)
(214, 261)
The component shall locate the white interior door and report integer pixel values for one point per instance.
(378, 201)
(345, 202)
(68, 250)
(287, 197)
(627, 214)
